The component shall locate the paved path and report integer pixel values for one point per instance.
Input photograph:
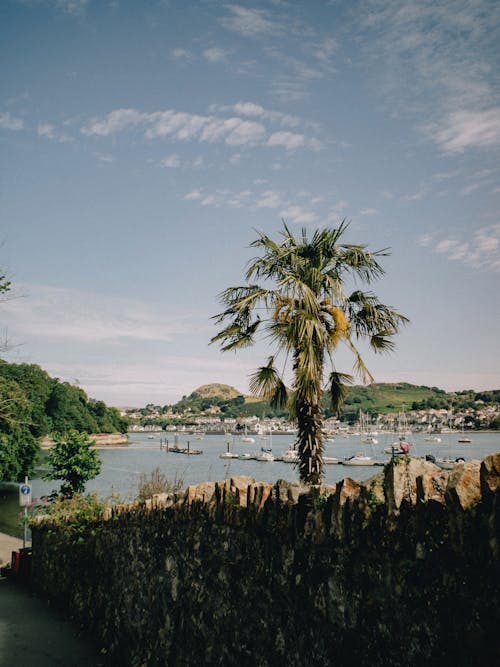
(31, 633)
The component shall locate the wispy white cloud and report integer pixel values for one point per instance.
(250, 22)
(194, 195)
(158, 378)
(444, 50)
(461, 130)
(183, 126)
(10, 122)
(257, 111)
(173, 161)
(75, 7)
(480, 251)
(298, 215)
(104, 157)
(368, 211)
(215, 55)
(269, 199)
(287, 205)
(74, 315)
(181, 54)
(50, 131)
(115, 121)
(292, 141)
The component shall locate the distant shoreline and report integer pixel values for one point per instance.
(102, 440)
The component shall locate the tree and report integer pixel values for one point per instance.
(72, 460)
(301, 304)
(18, 447)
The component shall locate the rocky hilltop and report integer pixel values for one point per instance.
(215, 390)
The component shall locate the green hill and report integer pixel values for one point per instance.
(215, 390)
(378, 398)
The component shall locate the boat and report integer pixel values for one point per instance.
(265, 455)
(432, 438)
(360, 460)
(444, 462)
(367, 436)
(246, 437)
(228, 454)
(290, 456)
(183, 450)
(399, 448)
(463, 438)
(330, 460)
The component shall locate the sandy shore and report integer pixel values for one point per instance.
(101, 440)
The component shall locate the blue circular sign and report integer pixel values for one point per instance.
(25, 490)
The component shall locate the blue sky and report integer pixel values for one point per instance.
(142, 144)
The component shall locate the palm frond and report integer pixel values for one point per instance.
(267, 383)
(381, 341)
(359, 365)
(338, 384)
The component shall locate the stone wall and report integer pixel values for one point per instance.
(400, 570)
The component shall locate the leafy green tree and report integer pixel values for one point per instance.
(18, 447)
(302, 306)
(37, 386)
(72, 460)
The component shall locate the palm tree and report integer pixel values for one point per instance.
(302, 306)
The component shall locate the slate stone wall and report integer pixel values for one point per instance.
(400, 570)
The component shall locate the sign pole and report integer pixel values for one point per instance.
(24, 501)
(25, 520)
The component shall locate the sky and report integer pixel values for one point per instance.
(145, 145)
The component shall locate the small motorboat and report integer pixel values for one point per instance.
(359, 460)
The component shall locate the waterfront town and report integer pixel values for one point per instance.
(417, 421)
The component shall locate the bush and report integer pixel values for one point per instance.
(157, 482)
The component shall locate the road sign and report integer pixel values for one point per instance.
(25, 495)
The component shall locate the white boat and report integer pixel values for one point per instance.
(330, 460)
(245, 456)
(266, 453)
(432, 438)
(228, 454)
(265, 456)
(444, 462)
(366, 435)
(246, 437)
(291, 456)
(360, 460)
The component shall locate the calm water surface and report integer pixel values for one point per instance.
(122, 467)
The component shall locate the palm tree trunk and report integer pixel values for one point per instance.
(310, 442)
